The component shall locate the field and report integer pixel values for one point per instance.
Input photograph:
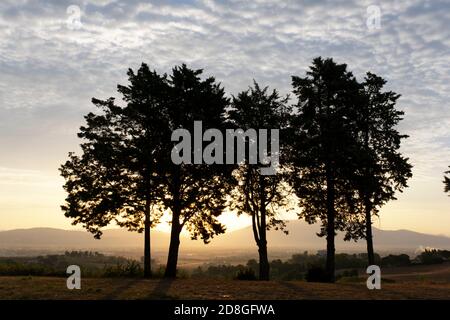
(420, 282)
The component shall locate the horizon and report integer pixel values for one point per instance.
(185, 233)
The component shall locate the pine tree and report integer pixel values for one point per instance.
(260, 196)
(116, 178)
(324, 147)
(195, 193)
(380, 169)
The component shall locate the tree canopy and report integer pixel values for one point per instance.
(262, 197)
(117, 177)
(324, 147)
(338, 150)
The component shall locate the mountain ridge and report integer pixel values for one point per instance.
(301, 237)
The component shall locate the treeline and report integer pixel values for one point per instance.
(339, 159)
(434, 256)
(92, 264)
(302, 266)
(310, 267)
(298, 267)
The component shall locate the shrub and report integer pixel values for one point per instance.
(131, 269)
(400, 260)
(431, 257)
(317, 274)
(246, 274)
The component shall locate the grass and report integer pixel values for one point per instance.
(412, 282)
(20, 287)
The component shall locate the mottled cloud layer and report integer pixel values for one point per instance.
(49, 70)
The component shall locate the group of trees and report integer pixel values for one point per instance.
(298, 267)
(93, 264)
(339, 155)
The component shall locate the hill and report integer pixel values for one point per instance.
(301, 237)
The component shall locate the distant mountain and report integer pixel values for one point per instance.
(301, 237)
(50, 238)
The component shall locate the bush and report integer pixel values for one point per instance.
(131, 269)
(431, 257)
(246, 274)
(400, 260)
(317, 274)
(22, 269)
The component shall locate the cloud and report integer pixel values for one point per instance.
(11, 176)
(49, 72)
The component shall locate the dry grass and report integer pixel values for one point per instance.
(55, 288)
(414, 282)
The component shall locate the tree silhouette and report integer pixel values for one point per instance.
(323, 147)
(194, 193)
(116, 177)
(125, 173)
(259, 196)
(447, 183)
(380, 169)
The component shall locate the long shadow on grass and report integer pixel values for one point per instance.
(298, 290)
(121, 289)
(161, 289)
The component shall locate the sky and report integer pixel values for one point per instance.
(56, 55)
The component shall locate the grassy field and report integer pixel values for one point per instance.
(101, 288)
(413, 282)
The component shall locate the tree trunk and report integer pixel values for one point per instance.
(368, 204)
(369, 237)
(264, 267)
(172, 258)
(330, 264)
(147, 249)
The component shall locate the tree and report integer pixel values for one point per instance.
(323, 147)
(195, 193)
(380, 169)
(447, 183)
(259, 196)
(116, 177)
(126, 174)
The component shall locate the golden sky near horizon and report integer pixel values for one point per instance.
(32, 199)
